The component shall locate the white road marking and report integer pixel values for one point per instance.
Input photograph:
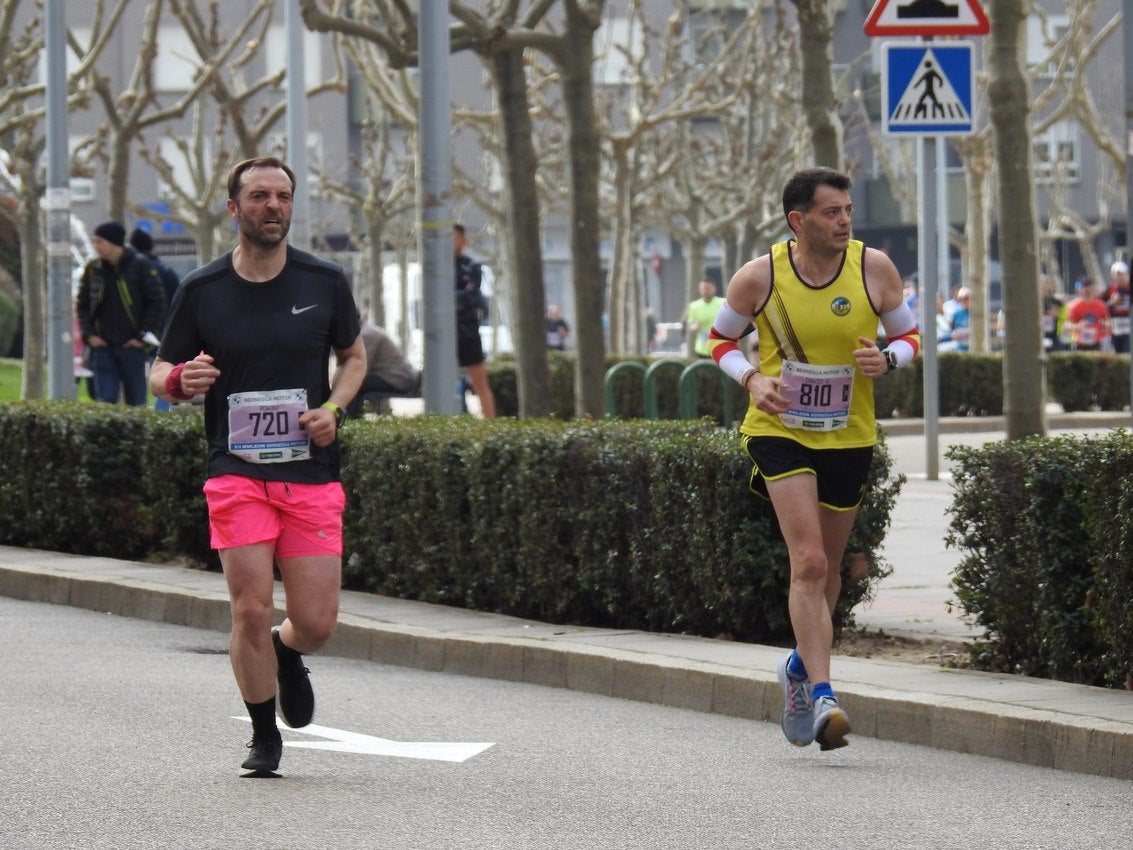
(353, 742)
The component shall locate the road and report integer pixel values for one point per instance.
(126, 734)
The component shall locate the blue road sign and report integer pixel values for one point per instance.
(927, 88)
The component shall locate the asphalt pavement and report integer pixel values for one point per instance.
(1031, 721)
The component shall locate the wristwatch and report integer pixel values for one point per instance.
(339, 413)
(891, 359)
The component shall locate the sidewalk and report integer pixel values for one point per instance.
(1033, 721)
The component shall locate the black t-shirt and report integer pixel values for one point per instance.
(264, 336)
(470, 301)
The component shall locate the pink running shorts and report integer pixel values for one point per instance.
(303, 520)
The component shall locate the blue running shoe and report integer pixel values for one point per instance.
(831, 725)
(798, 711)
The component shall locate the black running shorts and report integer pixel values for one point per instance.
(841, 473)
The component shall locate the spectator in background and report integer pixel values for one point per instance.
(960, 322)
(1117, 300)
(557, 329)
(142, 242)
(471, 308)
(910, 293)
(953, 303)
(387, 370)
(1087, 319)
(1053, 305)
(700, 314)
(650, 330)
(120, 304)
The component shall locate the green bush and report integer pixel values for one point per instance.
(1048, 568)
(621, 524)
(628, 524)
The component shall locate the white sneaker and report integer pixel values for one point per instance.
(798, 712)
(831, 725)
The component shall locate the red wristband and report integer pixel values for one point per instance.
(173, 384)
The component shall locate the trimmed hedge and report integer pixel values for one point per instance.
(615, 524)
(972, 384)
(1047, 527)
(624, 524)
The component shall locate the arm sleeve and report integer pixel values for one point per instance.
(901, 331)
(723, 342)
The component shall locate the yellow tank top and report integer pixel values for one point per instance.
(816, 329)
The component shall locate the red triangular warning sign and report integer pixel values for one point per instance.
(927, 17)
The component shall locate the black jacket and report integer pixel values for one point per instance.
(122, 302)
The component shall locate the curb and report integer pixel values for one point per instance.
(1027, 722)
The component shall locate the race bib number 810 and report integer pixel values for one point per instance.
(263, 427)
(819, 396)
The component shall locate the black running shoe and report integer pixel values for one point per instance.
(296, 699)
(265, 755)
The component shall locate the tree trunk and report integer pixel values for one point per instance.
(525, 257)
(1023, 384)
(577, 63)
(977, 266)
(621, 265)
(816, 40)
(35, 292)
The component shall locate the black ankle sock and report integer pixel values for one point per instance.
(263, 718)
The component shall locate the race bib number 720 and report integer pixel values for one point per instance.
(819, 396)
(263, 427)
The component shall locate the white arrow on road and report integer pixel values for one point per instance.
(352, 742)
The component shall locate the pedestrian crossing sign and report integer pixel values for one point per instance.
(927, 88)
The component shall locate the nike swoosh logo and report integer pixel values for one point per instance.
(295, 311)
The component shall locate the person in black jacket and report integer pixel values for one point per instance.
(121, 309)
(142, 242)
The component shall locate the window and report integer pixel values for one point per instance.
(1043, 38)
(276, 55)
(1056, 153)
(176, 62)
(618, 43)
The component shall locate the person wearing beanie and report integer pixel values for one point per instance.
(120, 303)
(142, 242)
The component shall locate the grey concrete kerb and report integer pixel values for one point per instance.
(1037, 722)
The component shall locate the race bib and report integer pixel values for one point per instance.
(263, 427)
(1121, 325)
(1087, 334)
(819, 396)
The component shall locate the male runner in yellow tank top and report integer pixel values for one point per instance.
(816, 300)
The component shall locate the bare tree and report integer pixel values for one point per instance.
(138, 107)
(816, 40)
(23, 179)
(494, 37)
(663, 89)
(1023, 395)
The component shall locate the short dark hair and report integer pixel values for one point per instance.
(237, 172)
(798, 194)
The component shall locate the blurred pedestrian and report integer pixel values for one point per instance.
(1118, 301)
(471, 308)
(557, 329)
(1087, 319)
(387, 370)
(700, 313)
(121, 309)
